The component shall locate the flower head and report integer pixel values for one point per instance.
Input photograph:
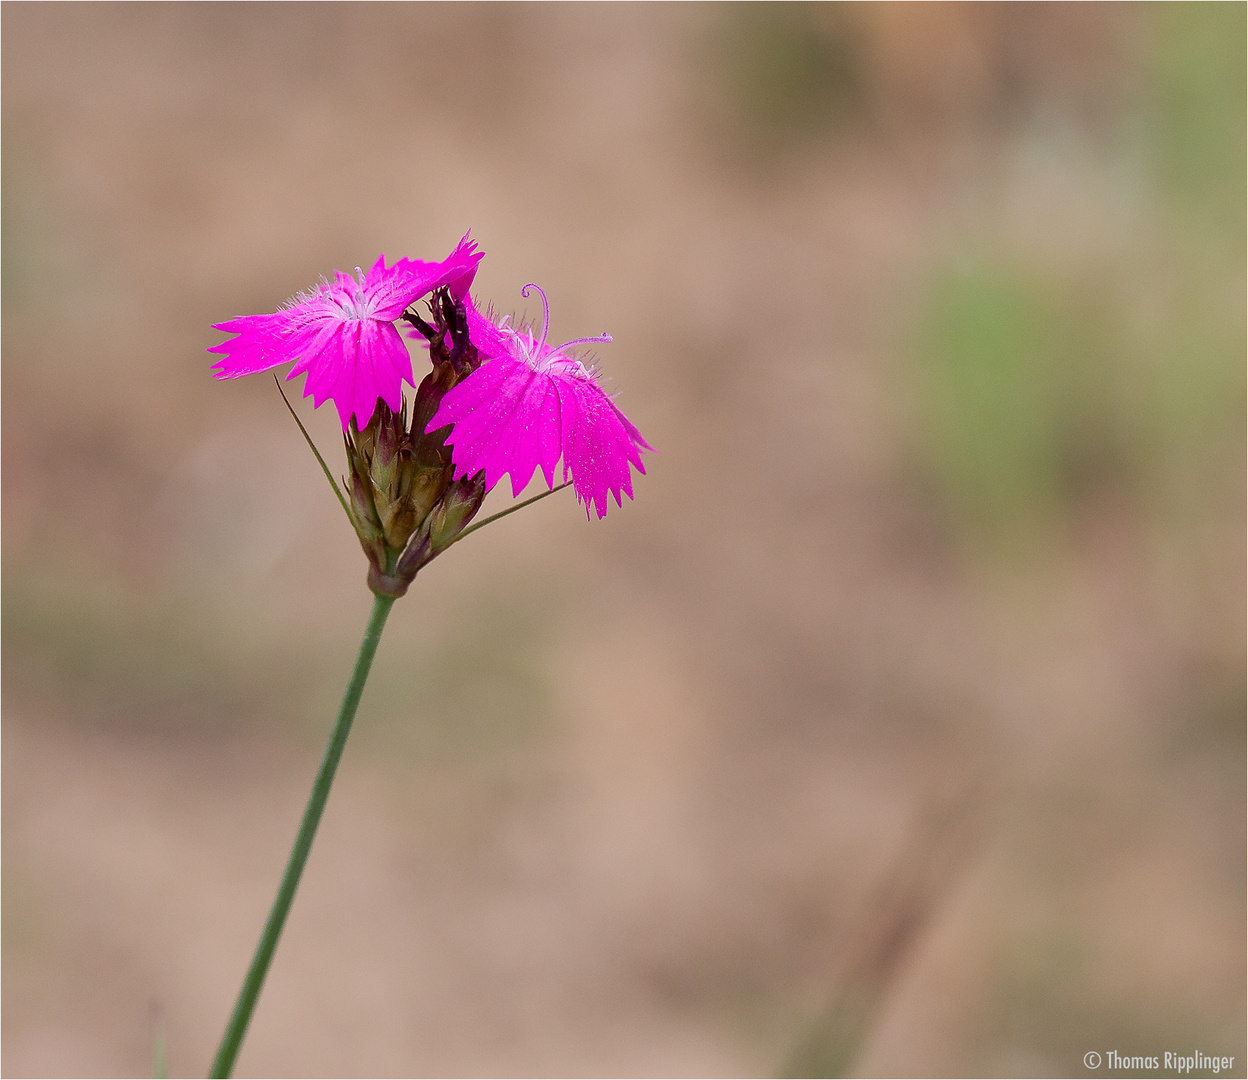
(402, 500)
(529, 404)
(342, 333)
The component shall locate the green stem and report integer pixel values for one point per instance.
(503, 513)
(324, 468)
(223, 1064)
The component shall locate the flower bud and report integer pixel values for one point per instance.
(418, 552)
(404, 507)
(362, 509)
(458, 507)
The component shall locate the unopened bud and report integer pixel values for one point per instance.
(458, 507)
(419, 551)
(383, 467)
(428, 398)
(364, 518)
(363, 441)
(403, 504)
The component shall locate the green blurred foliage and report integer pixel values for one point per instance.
(1043, 391)
(785, 72)
(476, 693)
(1018, 420)
(1196, 108)
(1046, 1013)
(144, 666)
(826, 1052)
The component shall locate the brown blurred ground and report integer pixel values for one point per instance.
(897, 728)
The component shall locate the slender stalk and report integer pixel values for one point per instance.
(308, 439)
(223, 1064)
(160, 1058)
(503, 513)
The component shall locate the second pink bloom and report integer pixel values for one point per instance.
(530, 404)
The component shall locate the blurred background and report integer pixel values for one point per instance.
(897, 728)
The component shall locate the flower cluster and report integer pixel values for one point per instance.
(497, 400)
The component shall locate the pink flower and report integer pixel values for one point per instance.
(529, 404)
(343, 334)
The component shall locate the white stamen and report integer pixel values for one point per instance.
(604, 339)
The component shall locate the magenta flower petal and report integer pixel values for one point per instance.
(410, 279)
(529, 405)
(342, 335)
